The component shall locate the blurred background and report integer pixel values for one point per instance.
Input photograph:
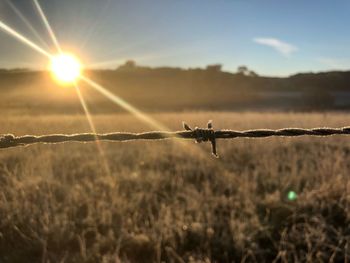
(183, 55)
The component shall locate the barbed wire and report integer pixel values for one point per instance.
(198, 134)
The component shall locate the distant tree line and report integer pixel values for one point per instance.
(168, 88)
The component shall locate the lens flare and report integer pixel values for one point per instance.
(47, 25)
(66, 68)
(23, 39)
(93, 128)
(125, 105)
(27, 23)
(292, 196)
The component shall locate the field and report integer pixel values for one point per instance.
(173, 202)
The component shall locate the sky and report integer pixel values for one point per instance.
(271, 37)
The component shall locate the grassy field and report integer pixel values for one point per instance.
(173, 202)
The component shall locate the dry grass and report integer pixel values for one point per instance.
(171, 202)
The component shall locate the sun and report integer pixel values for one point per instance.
(66, 68)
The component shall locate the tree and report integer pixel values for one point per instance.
(243, 70)
(128, 65)
(252, 74)
(214, 68)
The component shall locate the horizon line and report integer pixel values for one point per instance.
(36, 70)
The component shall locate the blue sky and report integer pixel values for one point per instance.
(272, 37)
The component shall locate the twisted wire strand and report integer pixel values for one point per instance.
(199, 135)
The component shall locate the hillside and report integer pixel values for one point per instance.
(166, 89)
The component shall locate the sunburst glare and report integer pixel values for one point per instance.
(47, 25)
(66, 68)
(24, 40)
(92, 127)
(27, 23)
(122, 103)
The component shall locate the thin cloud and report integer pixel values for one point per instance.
(335, 63)
(283, 48)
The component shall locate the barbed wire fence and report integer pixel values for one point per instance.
(207, 134)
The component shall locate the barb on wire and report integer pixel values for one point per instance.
(204, 135)
(198, 134)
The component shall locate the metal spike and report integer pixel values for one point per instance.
(210, 124)
(186, 127)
